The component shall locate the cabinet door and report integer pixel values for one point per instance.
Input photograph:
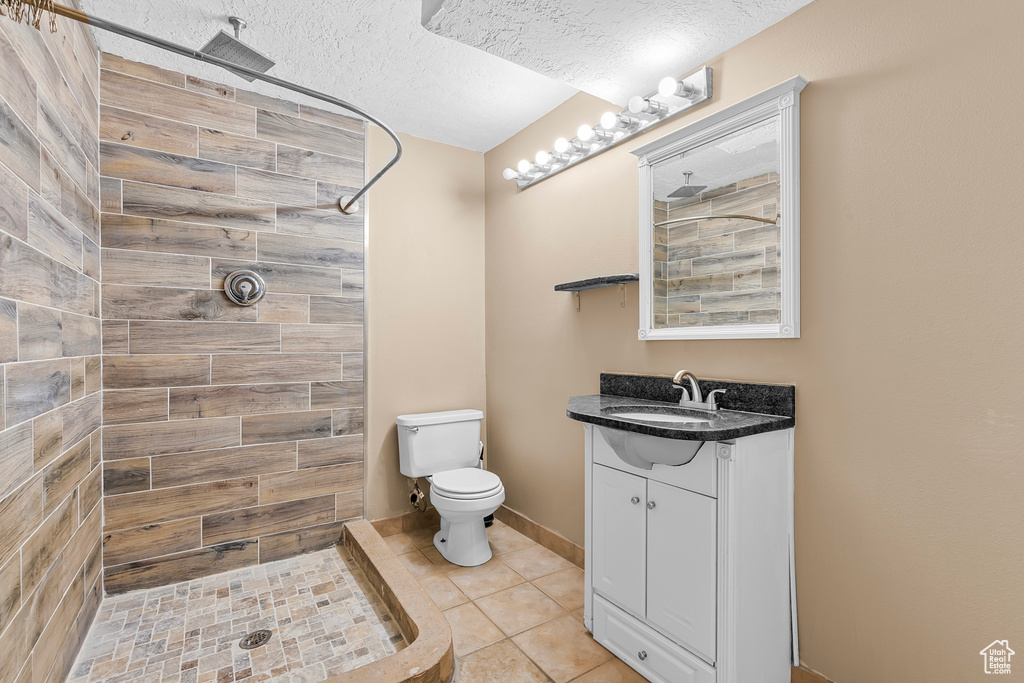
(681, 566)
(619, 531)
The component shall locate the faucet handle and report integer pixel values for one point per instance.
(686, 394)
(712, 401)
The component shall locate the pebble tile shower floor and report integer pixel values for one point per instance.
(323, 624)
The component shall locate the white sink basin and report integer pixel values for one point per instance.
(643, 451)
(660, 417)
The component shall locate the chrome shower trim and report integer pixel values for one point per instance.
(191, 53)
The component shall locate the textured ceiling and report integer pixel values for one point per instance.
(377, 55)
(372, 53)
(612, 49)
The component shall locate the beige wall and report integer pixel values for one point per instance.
(909, 392)
(425, 299)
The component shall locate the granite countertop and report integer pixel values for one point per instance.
(746, 408)
(723, 425)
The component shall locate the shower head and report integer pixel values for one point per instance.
(687, 190)
(231, 49)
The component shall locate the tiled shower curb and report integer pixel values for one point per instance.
(430, 656)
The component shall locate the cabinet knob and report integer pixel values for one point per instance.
(642, 655)
(650, 505)
(635, 500)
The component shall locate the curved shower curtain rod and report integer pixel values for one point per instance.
(690, 219)
(84, 18)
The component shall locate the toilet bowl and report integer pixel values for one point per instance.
(445, 448)
(463, 497)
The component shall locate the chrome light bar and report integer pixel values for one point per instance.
(672, 98)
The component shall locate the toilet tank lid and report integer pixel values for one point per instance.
(421, 419)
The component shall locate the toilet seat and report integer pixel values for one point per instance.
(465, 483)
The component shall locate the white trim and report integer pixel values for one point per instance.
(646, 246)
(725, 663)
(783, 102)
(588, 527)
(790, 498)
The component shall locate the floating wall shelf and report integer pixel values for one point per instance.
(597, 282)
(578, 286)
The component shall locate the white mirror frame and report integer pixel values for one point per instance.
(782, 101)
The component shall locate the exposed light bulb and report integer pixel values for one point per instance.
(562, 145)
(524, 166)
(670, 87)
(509, 174)
(585, 133)
(542, 158)
(639, 104)
(618, 122)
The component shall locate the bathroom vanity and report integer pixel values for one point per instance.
(689, 530)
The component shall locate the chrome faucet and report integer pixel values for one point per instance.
(694, 395)
(692, 398)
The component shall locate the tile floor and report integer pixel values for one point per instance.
(518, 618)
(322, 619)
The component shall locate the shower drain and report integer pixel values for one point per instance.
(255, 639)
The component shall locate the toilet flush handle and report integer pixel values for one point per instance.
(411, 428)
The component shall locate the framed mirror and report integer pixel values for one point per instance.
(720, 223)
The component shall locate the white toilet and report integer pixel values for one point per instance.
(445, 448)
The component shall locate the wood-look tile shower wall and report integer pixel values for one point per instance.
(231, 435)
(50, 517)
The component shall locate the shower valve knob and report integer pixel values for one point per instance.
(244, 287)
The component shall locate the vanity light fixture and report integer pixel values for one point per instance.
(594, 135)
(670, 87)
(618, 123)
(574, 147)
(673, 97)
(639, 104)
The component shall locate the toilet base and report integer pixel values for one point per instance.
(463, 543)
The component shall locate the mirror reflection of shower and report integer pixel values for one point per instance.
(687, 190)
(715, 231)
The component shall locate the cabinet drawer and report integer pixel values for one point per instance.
(662, 660)
(699, 475)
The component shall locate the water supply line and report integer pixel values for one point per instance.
(347, 204)
(416, 496)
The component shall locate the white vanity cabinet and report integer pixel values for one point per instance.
(688, 568)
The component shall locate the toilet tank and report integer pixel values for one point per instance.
(435, 442)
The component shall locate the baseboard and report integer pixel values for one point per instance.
(551, 540)
(410, 521)
(802, 675)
